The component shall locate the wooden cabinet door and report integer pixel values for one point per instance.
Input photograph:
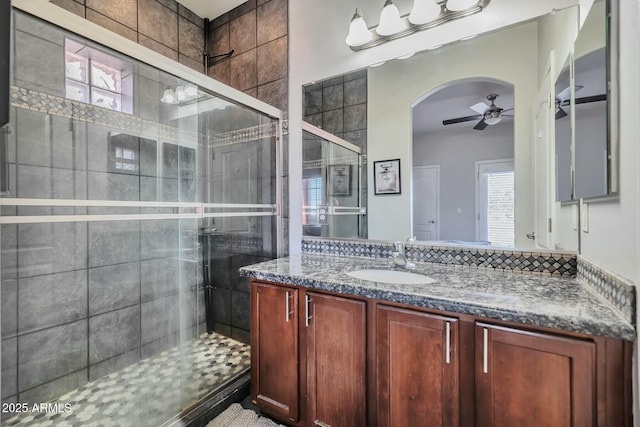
(417, 369)
(274, 350)
(336, 360)
(531, 379)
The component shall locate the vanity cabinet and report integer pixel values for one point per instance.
(335, 342)
(530, 379)
(417, 368)
(321, 359)
(308, 356)
(275, 380)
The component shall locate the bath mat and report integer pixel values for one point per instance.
(236, 416)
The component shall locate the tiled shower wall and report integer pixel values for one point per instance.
(257, 33)
(161, 25)
(80, 300)
(339, 106)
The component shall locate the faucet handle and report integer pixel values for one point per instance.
(399, 247)
(411, 239)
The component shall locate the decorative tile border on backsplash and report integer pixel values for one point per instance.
(614, 289)
(547, 263)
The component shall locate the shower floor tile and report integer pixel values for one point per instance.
(147, 393)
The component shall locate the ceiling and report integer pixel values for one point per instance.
(454, 101)
(210, 9)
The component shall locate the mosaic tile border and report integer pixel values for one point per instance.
(34, 100)
(320, 163)
(552, 263)
(620, 293)
(253, 133)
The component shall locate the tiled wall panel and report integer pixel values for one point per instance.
(161, 25)
(257, 33)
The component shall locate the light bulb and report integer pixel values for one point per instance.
(359, 34)
(455, 5)
(181, 93)
(492, 120)
(191, 91)
(169, 97)
(390, 21)
(424, 11)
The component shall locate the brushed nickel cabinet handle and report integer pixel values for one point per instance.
(286, 307)
(307, 310)
(448, 343)
(485, 350)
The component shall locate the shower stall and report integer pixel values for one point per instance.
(132, 189)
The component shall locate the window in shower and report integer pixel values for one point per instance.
(95, 77)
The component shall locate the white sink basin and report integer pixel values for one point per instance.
(392, 276)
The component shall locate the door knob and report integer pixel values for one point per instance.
(431, 221)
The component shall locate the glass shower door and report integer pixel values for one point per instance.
(118, 177)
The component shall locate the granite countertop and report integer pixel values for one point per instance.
(554, 302)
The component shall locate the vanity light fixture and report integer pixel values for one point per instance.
(169, 97)
(424, 14)
(457, 5)
(424, 11)
(182, 93)
(390, 21)
(359, 34)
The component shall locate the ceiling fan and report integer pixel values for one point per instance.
(563, 99)
(488, 114)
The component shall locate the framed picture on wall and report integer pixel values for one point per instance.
(386, 177)
(339, 180)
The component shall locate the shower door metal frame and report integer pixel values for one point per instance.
(68, 21)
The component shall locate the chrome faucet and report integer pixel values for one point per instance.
(400, 258)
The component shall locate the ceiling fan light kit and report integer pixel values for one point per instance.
(424, 14)
(488, 115)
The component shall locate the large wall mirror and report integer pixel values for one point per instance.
(461, 119)
(584, 153)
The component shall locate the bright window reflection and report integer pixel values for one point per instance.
(91, 81)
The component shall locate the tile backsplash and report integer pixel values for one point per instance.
(619, 292)
(552, 263)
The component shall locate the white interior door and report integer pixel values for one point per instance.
(426, 202)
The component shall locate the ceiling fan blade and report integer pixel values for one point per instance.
(565, 93)
(577, 88)
(594, 98)
(481, 125)
(504, 110)
(561, 113)
(480, 108)
(461, 119)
